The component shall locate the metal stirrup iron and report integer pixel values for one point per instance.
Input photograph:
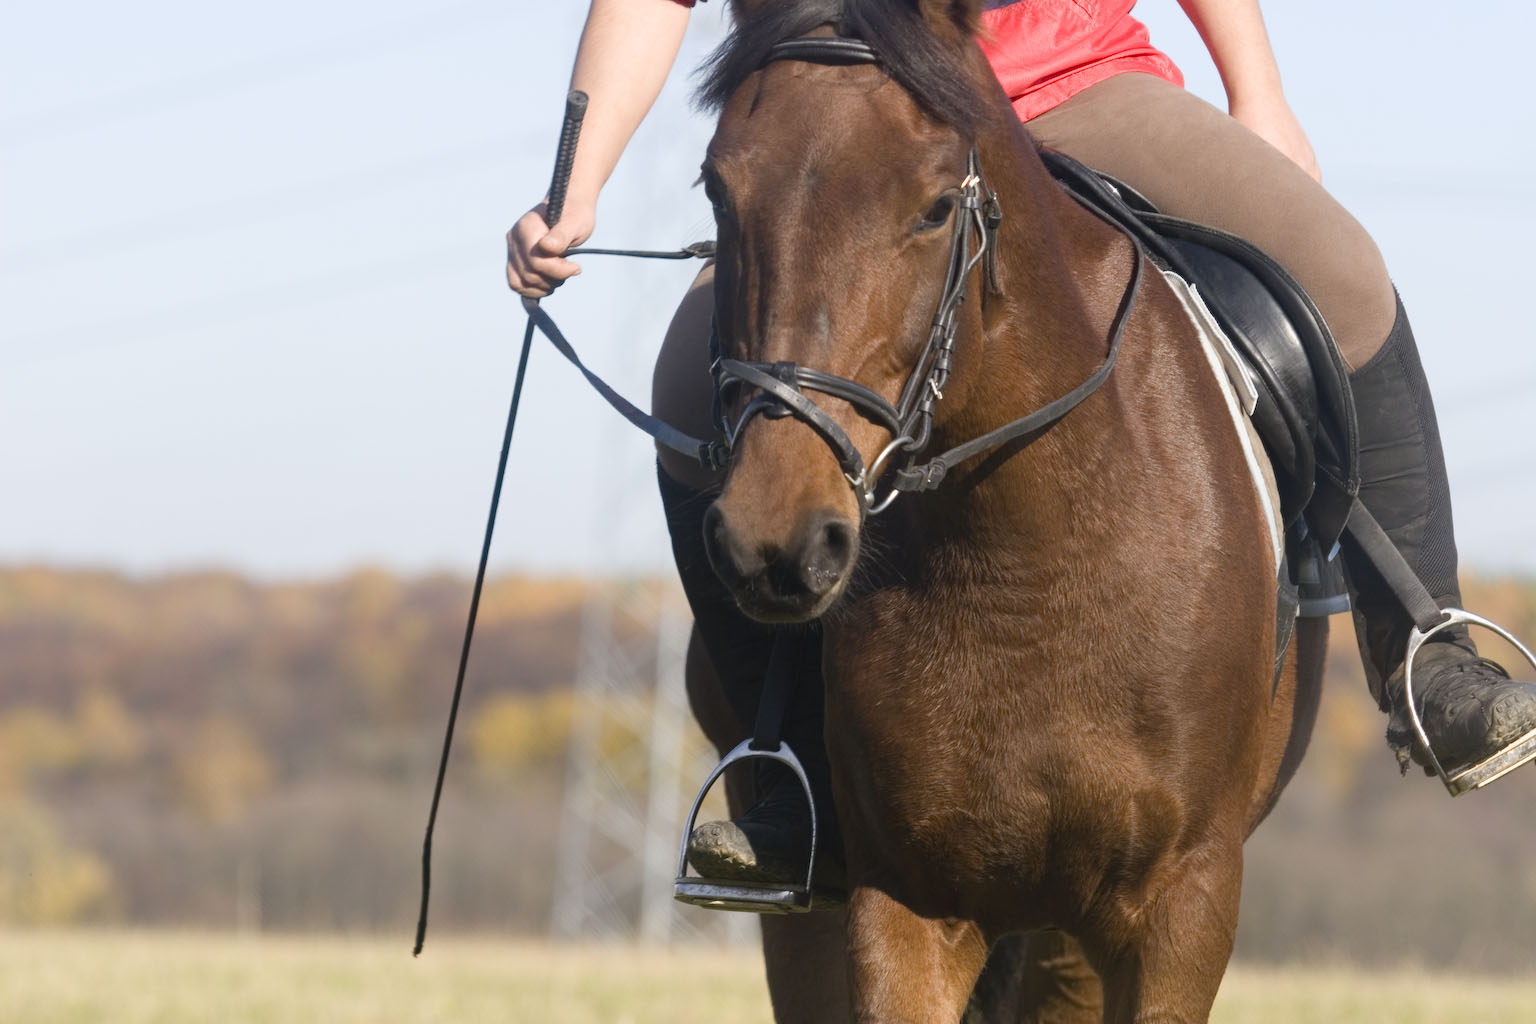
(1493, 768)
(1429, 619)
(766, 744)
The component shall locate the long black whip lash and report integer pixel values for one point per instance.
(570, 131)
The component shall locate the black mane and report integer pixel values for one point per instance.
(910, 52)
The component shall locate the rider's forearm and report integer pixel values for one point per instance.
(1233, 31)
(627, 49)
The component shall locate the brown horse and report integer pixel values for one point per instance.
(1050, 692)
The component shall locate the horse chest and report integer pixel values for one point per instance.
(936, 735)
(989, 760)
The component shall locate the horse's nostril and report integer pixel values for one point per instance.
(827, 555)
(717, 547)
(837, 539)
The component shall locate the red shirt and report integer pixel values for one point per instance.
(1045, 51)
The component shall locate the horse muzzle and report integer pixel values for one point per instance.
(783, 581)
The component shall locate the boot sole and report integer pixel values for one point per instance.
(727, 872)
(1508, 758)
(728, 862)
(1516, 755)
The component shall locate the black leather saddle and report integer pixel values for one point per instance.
(1305, 414)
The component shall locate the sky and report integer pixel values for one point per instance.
(252, 306)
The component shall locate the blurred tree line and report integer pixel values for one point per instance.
(205, 750)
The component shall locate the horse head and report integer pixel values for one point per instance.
(847, 200)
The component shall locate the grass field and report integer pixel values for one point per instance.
(159, 978)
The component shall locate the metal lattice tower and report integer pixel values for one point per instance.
(635, 760)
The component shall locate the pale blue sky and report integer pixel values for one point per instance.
(251, 306)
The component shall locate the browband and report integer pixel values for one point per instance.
(823, 50)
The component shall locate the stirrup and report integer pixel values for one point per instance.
(1500, 764)
(730, 894)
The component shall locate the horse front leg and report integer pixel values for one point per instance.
(1179, 943)
(909, 969)
(807, 966)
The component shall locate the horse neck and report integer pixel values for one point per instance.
(1062, 274)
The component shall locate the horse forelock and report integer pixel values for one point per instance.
(922, 60)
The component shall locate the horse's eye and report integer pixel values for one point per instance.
(938, 214)
(714, 192)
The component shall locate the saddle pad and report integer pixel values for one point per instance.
(1241, 394)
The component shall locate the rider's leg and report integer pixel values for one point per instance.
(682, 391)
(1193, 161)
(769, 841)
(1471, 709)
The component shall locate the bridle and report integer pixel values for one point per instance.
(781, 386)
(910, 420)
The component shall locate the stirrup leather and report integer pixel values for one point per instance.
(731, 894)
(1499, 764)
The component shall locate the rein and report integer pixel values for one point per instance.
(782, 386)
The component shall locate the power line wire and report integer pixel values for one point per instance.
(130, 101)
(248, 304)
(241, 210)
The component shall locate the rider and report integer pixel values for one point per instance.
(1088, 83)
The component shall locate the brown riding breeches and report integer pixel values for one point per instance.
(1195, 162)
(1192, 161)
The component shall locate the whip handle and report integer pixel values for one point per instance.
(565, 155)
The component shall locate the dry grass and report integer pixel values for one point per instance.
(1253, 995)
(159, 978)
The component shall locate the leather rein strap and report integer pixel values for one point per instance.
(711, 455)
(781, 386)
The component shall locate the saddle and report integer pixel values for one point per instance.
(1305, 413)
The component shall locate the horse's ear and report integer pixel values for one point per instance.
(964, 15)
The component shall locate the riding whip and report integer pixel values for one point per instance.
(570, 131)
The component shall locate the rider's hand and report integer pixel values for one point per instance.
(1274, 122)
(535, 262)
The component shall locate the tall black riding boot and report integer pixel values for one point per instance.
(771, 841)
(1470, 708)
